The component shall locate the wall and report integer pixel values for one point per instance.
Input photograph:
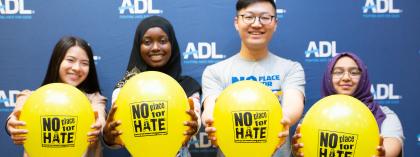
(384, 33)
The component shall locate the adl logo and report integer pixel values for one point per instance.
(384, 94)
(135, 9)
(14, 9)
(201, 141)
(321, 51)
(202, 53)
(97, 59)
(280, 12)
(380, 9)
(418, 139)
(8, 99)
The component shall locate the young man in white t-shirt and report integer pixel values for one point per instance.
(256, 22)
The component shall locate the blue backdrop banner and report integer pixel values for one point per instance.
(384, 33)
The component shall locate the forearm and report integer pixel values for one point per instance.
(293, 105)
(393, 146)
(293, 113)
(197, 109)
(20, 101)
(98, 105)
(5, 125)
(208, 104)
(102, 116)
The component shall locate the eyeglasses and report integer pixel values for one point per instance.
(263, 19)
(353, 74)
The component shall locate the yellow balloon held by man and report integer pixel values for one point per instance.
(247, 117)
(58, 117)
(339, 125)
(151, 108)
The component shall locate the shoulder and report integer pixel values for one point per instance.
(391, 126)
(223, 63)
(23, 95)
(128, 74)
(96, 97)
(387, 111)
(288, 67)
(21, 99)
(391, 116)
(284, 61)
(25, 92)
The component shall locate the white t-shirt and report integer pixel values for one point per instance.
(391, 126)
(277, 73)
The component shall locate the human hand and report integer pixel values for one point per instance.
(210, 130)
(283, 134)
(110, 133)
(17, 135)
(295, 145)
(192, 123)
(96, 130)
(381, 148)
(207, 118)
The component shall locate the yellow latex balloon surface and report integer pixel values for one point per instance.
(151, 107)
(247, 119)
(58, 117)
(339, 125)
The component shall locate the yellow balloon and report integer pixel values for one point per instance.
(340, 126)
(151, 107)
(58, 117)
(247, 119)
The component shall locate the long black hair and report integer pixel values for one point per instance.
(91, 83)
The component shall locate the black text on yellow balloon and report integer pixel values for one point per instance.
(58, 131)
(339, 144)
(149, 118)
(250, 126)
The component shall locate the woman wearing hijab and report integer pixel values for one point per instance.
(155, 48)
(347, 74)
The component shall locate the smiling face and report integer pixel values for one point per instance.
(256, 34)
(155, 47)
(74, 68)
(345, 75)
